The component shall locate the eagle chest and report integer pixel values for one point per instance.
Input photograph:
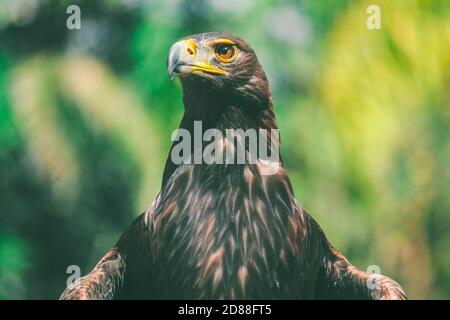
(225, 233)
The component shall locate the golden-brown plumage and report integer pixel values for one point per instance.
(225, 230)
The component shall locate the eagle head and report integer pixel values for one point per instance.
(223, 64)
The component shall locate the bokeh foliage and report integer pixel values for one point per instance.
(86, 117)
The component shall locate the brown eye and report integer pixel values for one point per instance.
(225, 52)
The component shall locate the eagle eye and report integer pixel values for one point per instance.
(225, 52)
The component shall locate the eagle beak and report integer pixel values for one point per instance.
(184, 59)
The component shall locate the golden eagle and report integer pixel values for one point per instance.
(226, 230)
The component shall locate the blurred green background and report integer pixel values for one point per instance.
(86, 117)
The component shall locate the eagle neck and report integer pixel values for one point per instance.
(216, 109)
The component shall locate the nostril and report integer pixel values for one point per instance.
(189, 50)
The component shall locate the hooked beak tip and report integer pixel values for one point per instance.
(175, 59)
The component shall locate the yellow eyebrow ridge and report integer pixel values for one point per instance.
(223, 41)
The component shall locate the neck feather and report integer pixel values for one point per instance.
(222, 110)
